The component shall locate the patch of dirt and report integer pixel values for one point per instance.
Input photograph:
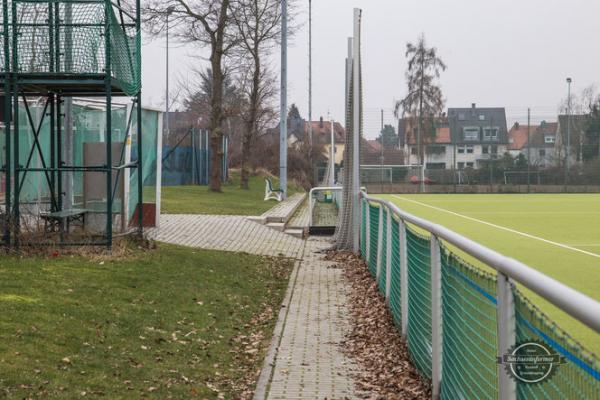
(374, 342)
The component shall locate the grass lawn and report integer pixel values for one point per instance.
(232, 201)
(166, 323)
(569, 219)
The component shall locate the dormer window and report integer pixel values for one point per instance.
(549, 139)
(471, 133)
(481, 117)
(490, 133)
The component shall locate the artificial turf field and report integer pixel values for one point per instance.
(523, 227)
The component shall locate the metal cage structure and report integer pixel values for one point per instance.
(53, 51)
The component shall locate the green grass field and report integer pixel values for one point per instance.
(171, 322)
(572, 220)
(232, 201)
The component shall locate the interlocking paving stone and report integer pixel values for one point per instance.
(309, 363)
(227, 233)
(283, 211)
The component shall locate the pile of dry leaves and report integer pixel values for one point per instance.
(385, 371)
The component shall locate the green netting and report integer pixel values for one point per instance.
(149, 159)
(78, 42)
(395, 300)
(373, 237)
(579, 378)
(363, 228)
(419, 301)
(384, 239)
(470, 369)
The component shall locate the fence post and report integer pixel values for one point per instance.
(506, 325)
(388, 256)
(403, 276)
(379, 235)
(436, 318)
(368, 231)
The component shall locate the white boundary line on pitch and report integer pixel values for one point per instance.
(527, 235)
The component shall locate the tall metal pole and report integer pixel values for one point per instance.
(528, 150)
(381, 156)
(568, 151)
(167, 126)
(356, 132)
(310, 129)
(283, 110)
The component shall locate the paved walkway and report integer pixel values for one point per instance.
(304, 360)
(227, 233)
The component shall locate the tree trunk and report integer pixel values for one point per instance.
(216, 115)
(251, 125)
(216, 120)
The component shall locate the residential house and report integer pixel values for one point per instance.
(542, 148)
(321, 131)
(518, 138)
(478, 134)
(438, 151)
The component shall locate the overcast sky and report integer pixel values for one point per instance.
(504, 53)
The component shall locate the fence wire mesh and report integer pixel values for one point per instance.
(363, 227)
(419, 301)
(373, 237)
(383, 252)
(469, 331)
(69, 37)
(395, 293)
(470, 369)
(578, 378)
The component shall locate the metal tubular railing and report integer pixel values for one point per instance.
(508, 271)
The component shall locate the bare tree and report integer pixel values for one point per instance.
(258, 24)
(424, 96)
(206, 23)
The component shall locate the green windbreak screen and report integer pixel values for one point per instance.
(419, 301)
(149, 159)
(469, 331)
(578, 378)
(363, 228)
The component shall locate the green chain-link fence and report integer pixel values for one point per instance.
(395, 295)
(383, 241)
(470, 369)
(373, 237)
(419, 301)
(578, 378)
(469, 331)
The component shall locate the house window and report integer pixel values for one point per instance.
(542, 152)
(461, 116)
(494, 149)
(471, 134)
(436, 150)
(413, 151)
(485, 150)
(549, 139)
(490, 133)
(470, 150)
(481, 117)
(461, 165)
(461, 150)
(436, 166)
(469, 165)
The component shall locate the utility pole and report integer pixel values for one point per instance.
(528, 149)
(568, 150)
(283, 110)
(310, 129)
(167, 105)
(381, 157)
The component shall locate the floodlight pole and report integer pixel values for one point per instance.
(167, 100)
(568, 150)
(310, 129)
(283, 110)
(356, 133)
(528, 150)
